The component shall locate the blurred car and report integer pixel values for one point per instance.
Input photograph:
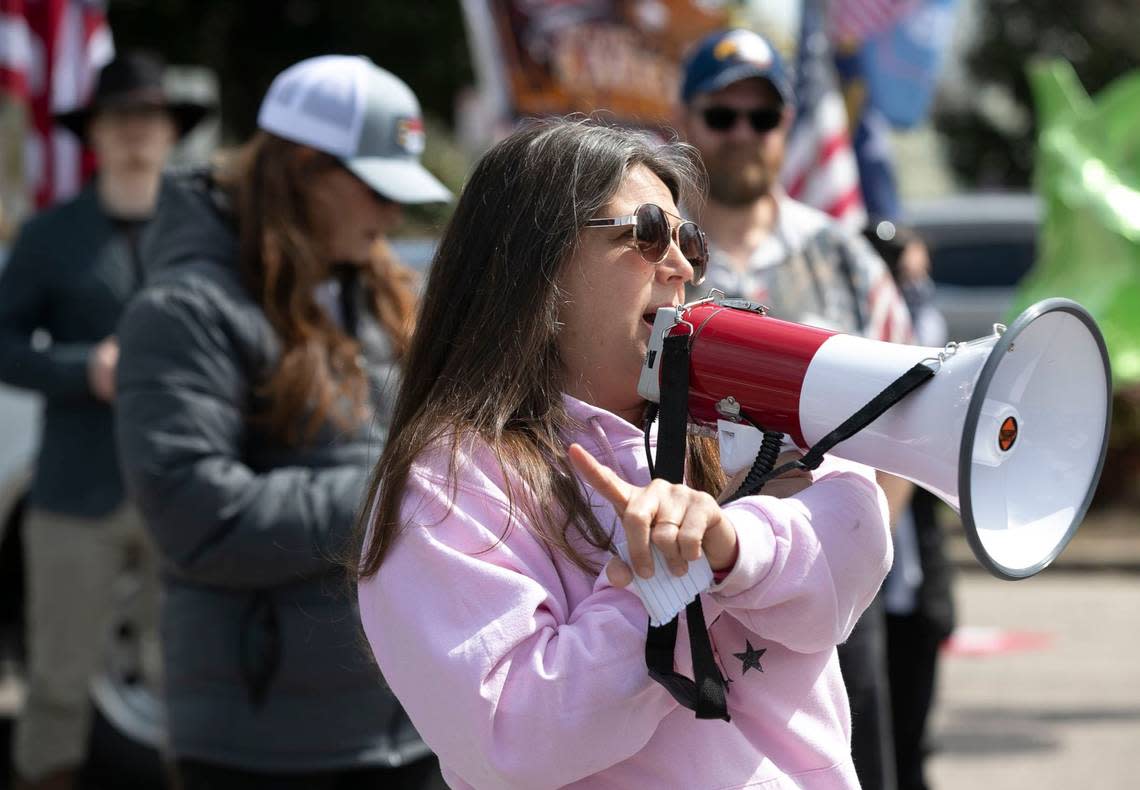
(981, 246)
(19, 416)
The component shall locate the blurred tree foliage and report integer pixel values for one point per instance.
(990, 130)
(247, 42)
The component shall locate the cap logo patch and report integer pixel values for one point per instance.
(410, 135)
(746, 46)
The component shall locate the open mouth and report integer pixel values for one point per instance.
(650, 315)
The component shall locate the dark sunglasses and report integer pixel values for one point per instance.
(652, 235)
(762, 120)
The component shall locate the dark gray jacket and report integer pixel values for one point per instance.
(266, 666)
(70, 274)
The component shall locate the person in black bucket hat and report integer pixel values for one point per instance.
(70, 273)
(133, 84)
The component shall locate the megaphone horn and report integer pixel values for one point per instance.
(1011, 431)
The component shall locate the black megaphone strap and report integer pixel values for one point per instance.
(871, 411)
(705, 694)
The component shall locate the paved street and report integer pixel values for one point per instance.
(1060, 707)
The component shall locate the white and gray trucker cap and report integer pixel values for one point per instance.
(347, 106)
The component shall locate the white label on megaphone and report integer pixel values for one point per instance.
(665, 595)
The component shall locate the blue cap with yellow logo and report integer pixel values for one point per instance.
(729, 56)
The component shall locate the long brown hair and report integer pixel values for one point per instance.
(484, 362)
(317, 378)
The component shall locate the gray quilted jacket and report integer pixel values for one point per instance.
(265, 665)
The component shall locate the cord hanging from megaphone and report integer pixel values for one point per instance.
(765, 459)
(758, 475)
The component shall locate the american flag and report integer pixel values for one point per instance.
(50, 53)
(853, 21)
(888, 318)
(820, 169)
(819, 164)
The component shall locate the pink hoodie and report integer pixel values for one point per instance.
(521, 671)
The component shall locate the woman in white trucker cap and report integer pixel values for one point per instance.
(255, 387)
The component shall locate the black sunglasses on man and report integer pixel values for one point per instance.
(761, 119)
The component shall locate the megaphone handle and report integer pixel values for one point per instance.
(765, 459)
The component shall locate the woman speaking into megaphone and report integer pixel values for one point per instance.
(515, 469)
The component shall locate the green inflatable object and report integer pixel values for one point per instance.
(1088, 176)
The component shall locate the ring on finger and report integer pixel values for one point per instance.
(671, 523)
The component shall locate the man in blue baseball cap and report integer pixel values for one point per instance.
(736, 107)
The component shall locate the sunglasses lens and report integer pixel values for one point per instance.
(695, 248)
(764, 120)
(652, 232)
(720, 119)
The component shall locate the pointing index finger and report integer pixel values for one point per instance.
(602, 478)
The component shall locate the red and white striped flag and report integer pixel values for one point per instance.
(887, 315)
(853, 21)
(819, 163)
(50, 53)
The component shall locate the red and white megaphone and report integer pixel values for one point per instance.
(1011, 430)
